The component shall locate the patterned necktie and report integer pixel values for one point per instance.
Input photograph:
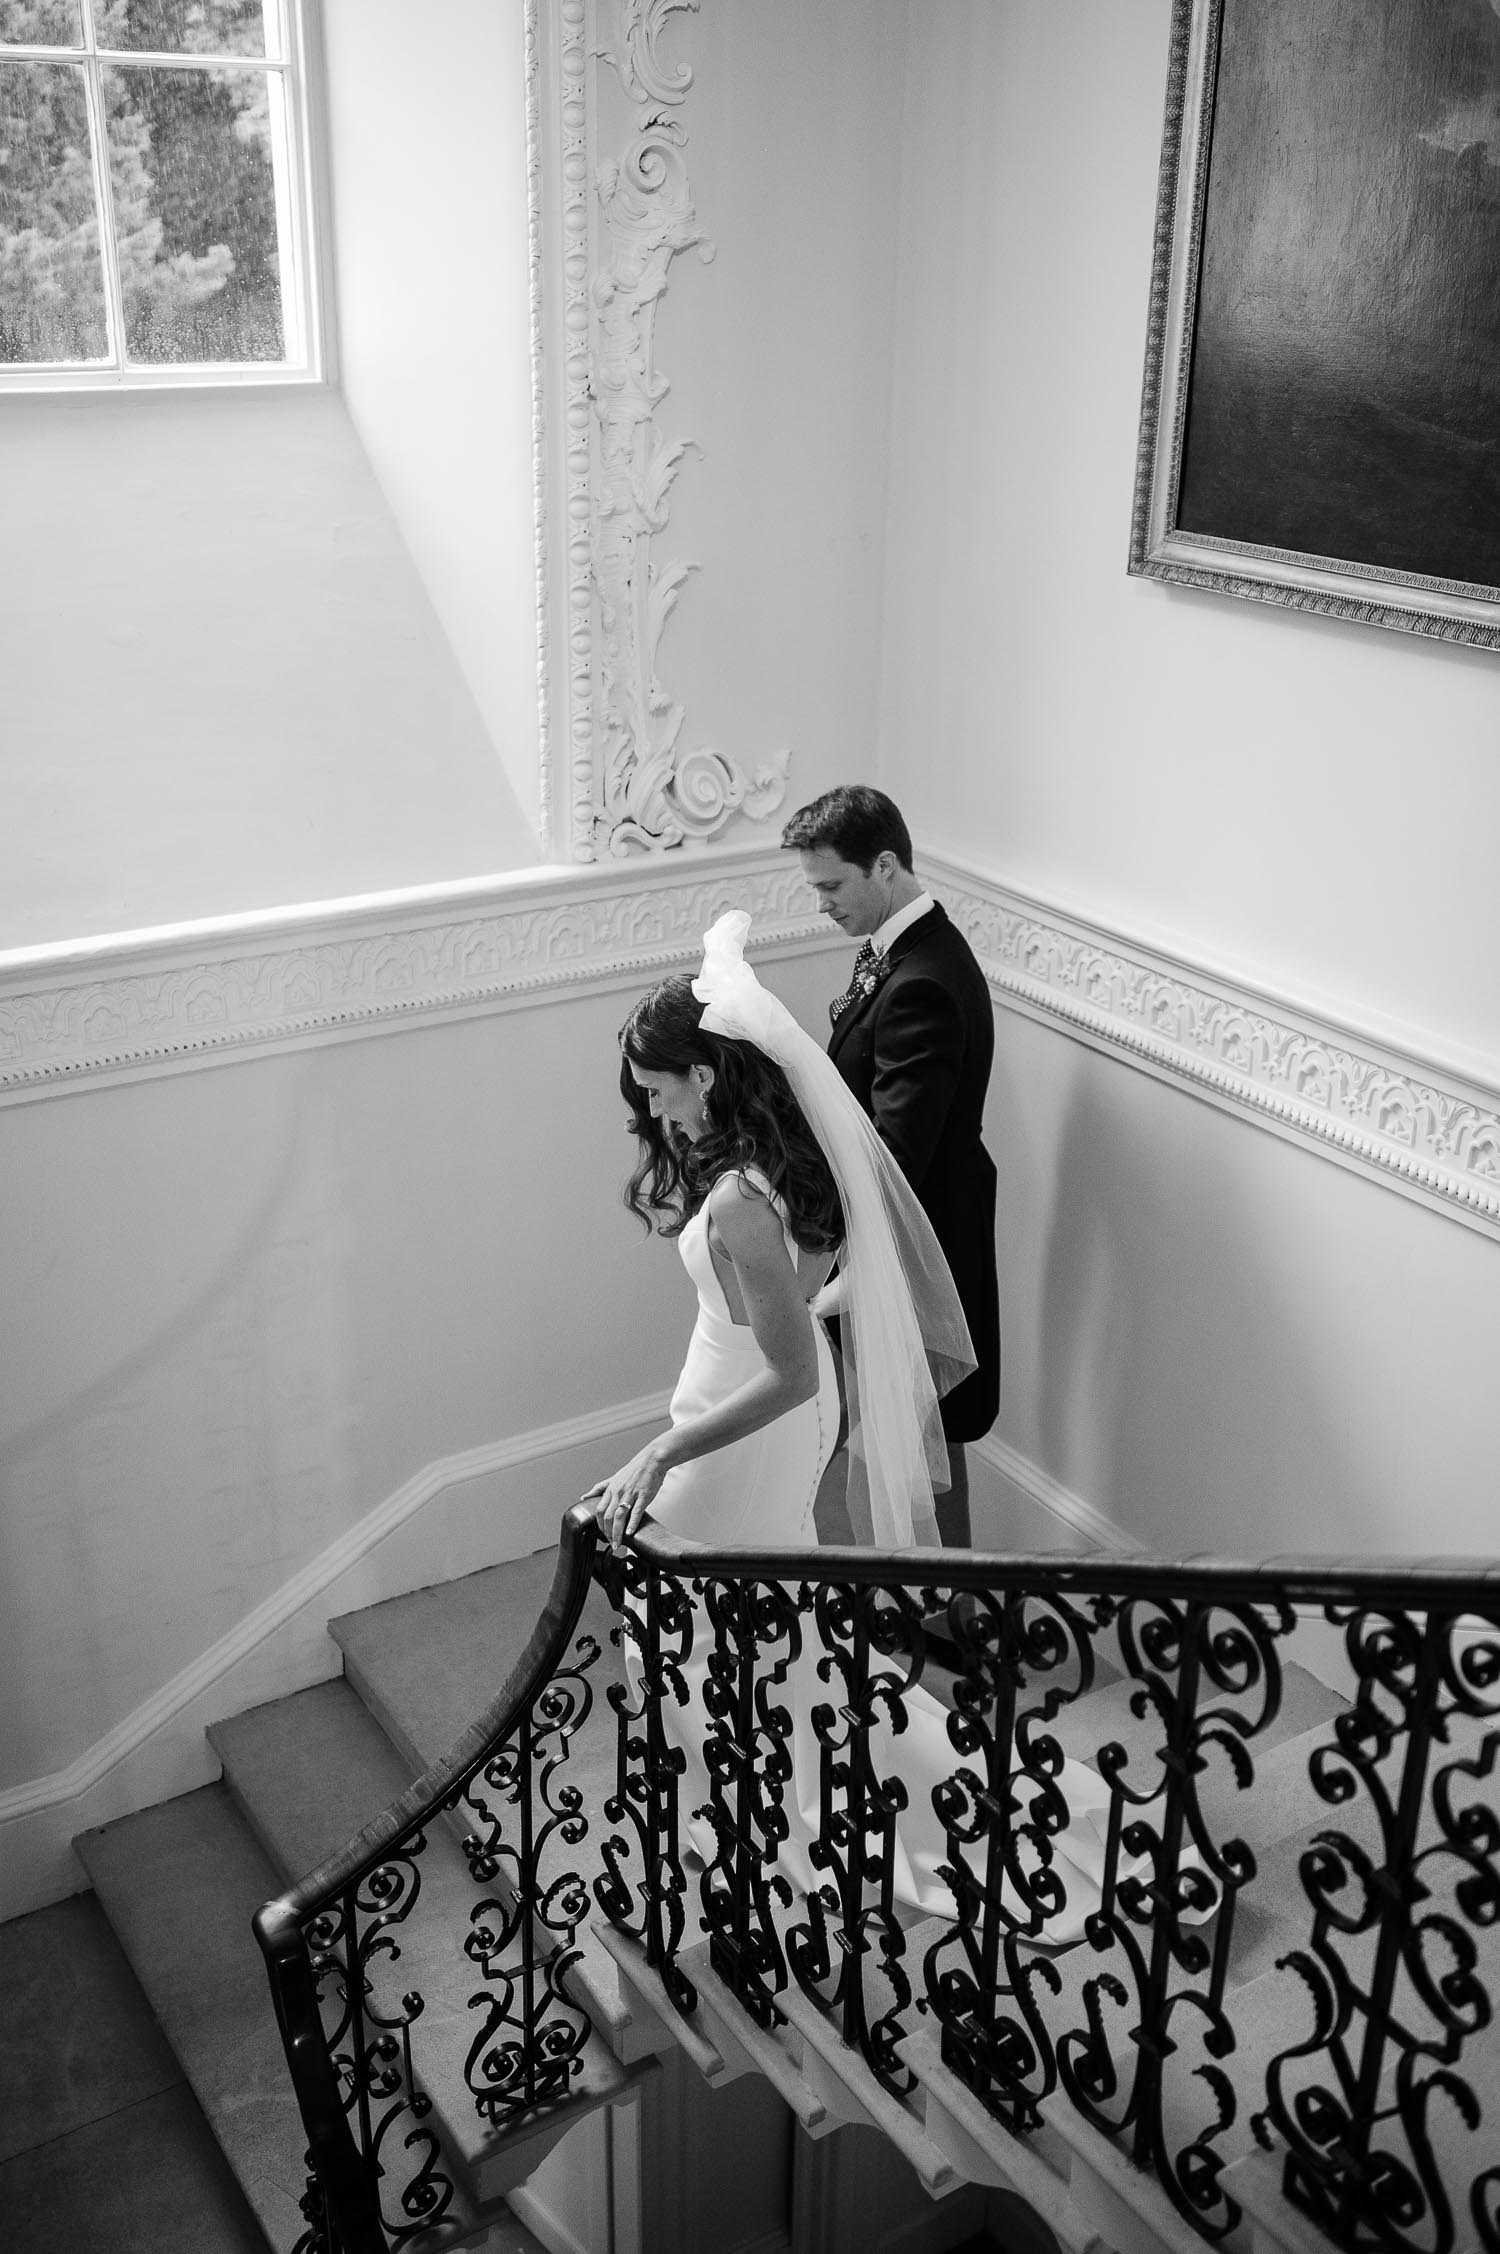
(864, 962)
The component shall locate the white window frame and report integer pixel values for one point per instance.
(296, 220)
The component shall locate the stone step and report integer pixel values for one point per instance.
(179, 1884)
(310, 1770)
(1269, 1918)
(1106, 1716)
(1271, 2008)
(1089, 2190)
(1277, 2009)
(307, 1772)
(426, 1664)
(1271, 2224)
(103, 2147)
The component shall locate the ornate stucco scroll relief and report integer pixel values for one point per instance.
(174, 1003)
(1397, 1119)
(573, 194)
(646, 790)
(536, 295)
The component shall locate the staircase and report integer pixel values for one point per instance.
(181, 1882)
(683, 2083)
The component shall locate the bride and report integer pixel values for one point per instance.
(756, 1157)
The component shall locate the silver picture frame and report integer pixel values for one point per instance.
(1388, 398)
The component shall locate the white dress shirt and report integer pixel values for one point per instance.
(901, 921)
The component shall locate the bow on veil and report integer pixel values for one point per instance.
(904, 1335)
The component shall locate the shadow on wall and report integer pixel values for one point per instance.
(1182, 1390)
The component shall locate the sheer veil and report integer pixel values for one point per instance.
(904, 1335)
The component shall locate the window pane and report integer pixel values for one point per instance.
(192, 167)
(51, 280)
(41, 23)
(183, 27)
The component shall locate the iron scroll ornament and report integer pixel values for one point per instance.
(1137, 2027)
(338, 1944)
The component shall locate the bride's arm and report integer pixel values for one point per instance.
(750, 1232)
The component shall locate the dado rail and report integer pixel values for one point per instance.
(1266, 2017)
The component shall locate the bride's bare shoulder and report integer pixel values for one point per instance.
(739, 1200)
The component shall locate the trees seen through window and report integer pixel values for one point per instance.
(151, 202)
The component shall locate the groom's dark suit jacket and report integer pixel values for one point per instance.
(917, 1053)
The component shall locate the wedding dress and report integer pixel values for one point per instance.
(759, 1492)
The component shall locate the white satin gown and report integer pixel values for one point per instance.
(759, 1492)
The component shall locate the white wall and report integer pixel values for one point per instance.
(245, 1304)
(224, 687)
(225, 684)
(246, 1307)
(1217, 1338)
(1224, 1342)
(426, 154)
(1310, 801)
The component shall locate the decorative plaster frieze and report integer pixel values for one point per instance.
(173, 1001)
(170, 1002)
(633, 785)
(1396, 1118)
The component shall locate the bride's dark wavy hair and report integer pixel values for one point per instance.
(751, 1119)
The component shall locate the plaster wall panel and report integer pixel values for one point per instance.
(1221, 1341)
(427, 166)
(225, 687)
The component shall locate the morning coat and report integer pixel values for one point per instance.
(916, 1052)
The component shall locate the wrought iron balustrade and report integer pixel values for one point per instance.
(338, 1948)
(1313, 1976)
(1387, 1948)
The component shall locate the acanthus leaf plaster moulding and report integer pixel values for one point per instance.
(623, 221)
(173, 1001)
(1397, 1118)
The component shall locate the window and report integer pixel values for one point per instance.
(153, 192)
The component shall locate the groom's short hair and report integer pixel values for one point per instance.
(855, 822)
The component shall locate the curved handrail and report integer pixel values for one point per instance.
(279, 1925)
(1442, 1581)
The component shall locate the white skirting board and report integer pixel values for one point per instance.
(1015, 1505)
(480, 1508)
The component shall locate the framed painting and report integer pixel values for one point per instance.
(1321, 412)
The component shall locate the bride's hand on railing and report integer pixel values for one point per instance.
(620, 1502)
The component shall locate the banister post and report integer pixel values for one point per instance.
(353, 2208)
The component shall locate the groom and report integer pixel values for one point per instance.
(913, 1037)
